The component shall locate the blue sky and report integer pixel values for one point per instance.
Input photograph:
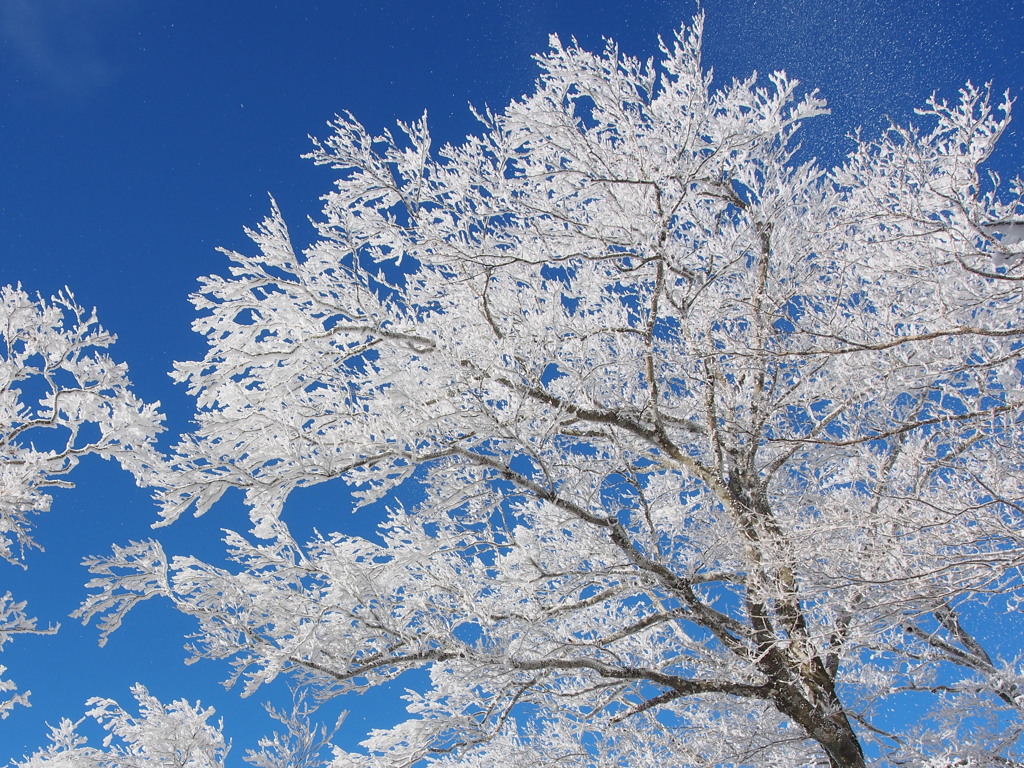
(136, 136)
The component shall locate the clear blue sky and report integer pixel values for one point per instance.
(136, 136)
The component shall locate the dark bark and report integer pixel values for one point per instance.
(833, 732)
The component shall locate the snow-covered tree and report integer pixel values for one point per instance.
(61, 398)
(692, 452)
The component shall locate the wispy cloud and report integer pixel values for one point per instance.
(60, 41)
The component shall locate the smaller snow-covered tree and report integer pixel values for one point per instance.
(175, 735)
(61, 398)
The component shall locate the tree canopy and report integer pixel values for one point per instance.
(688, 450)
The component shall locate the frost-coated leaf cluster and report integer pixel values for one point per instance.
(694, 453)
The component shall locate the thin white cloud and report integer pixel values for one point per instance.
(59, 41)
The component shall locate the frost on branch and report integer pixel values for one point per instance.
(159, 736)
(61, 398)
(695, 453)
(134, 573)
(302, 745)
(14, 621)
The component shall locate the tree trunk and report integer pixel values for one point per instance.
(832, 731)
(840, 743)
